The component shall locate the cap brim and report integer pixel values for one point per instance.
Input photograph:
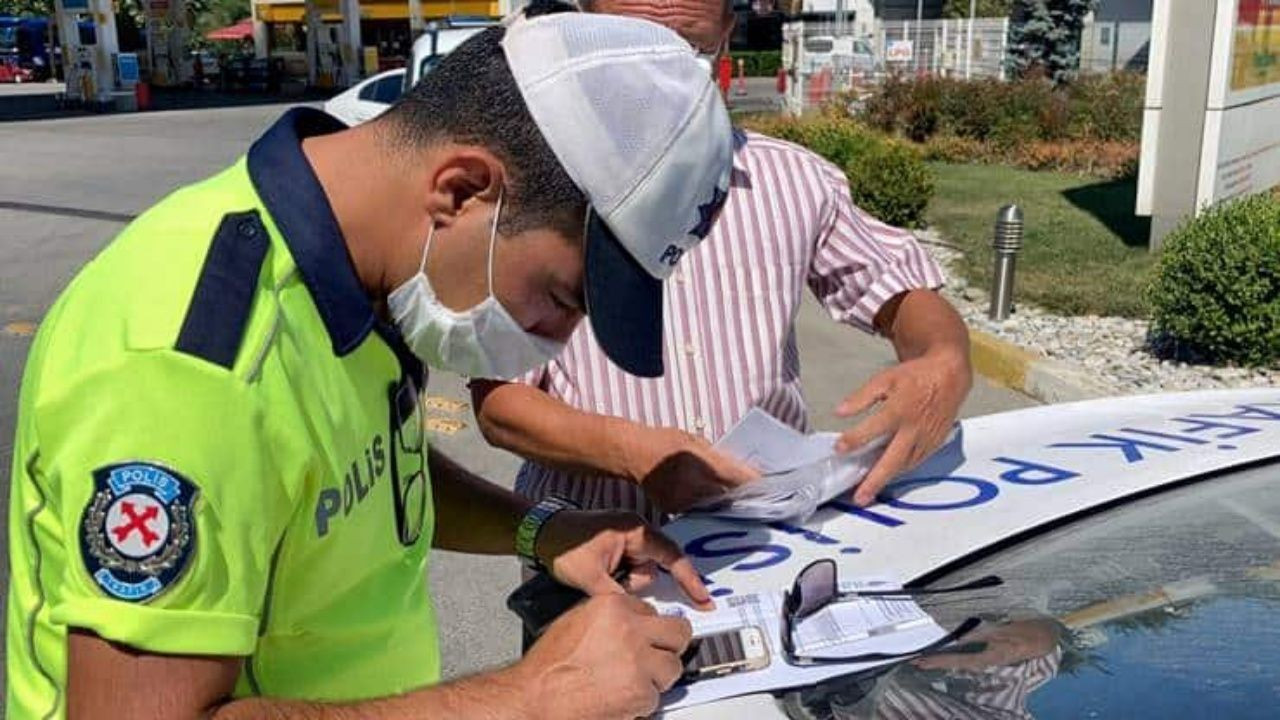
(624, 303)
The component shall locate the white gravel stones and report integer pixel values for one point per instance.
(1111, 348)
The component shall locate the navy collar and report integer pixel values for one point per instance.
(297, 203)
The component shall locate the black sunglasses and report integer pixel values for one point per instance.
(407, 439)
(816, 587)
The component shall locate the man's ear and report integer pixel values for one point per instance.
(463, 174)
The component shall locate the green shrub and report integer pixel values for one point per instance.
(834, 138)
(887, 178)
(1095, 107)
(1010, 122)
(1106, 106)
(891, 181)
(1216, 292)
(757, 63)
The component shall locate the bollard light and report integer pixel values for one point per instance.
(1007, 241)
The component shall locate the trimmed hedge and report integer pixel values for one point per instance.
(1027, 123)
(1216, 291)
(757, 63)
(887, 178)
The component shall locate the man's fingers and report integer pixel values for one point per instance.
(663, 668)
(864, 397)
(602, 584)
(892, 462)
(928, 444)
(881, 423)
(660, 549)
(671, 634)
(690, 581)
(641, 576)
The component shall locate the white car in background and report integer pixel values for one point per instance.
(440, 39)
(368, 99)
(373, 96)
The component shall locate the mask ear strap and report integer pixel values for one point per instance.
(493, 235)
(426, 247)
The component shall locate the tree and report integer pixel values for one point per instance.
(984, 9)
(212, 14)
(1044, 36)
(27, 8)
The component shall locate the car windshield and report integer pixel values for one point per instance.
(1147, 610)
(8, 38)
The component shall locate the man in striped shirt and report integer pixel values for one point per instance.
(602, 438)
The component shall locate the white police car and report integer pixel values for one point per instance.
(1138, 540)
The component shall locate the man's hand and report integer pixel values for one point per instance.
(678, 470)
(584, 549)
(917, 402)
(609, 657)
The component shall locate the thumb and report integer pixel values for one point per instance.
(601, 583)
(864, 397)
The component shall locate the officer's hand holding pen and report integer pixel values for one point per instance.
(584, 549)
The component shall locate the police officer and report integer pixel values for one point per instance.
(222, 503)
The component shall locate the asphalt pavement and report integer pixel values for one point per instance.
(67, 186)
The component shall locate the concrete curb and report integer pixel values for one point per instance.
(1050, 381)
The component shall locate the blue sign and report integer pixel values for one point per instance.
(127, 69)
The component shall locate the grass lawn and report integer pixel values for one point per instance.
(1084, 253)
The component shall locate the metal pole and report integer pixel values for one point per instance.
(968, 42)
(1006, 241)
(914, 46)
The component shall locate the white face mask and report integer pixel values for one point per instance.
(482, 342)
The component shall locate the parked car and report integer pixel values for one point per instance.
(439, 40)
(208, 63)
(368, 99)
(12, 72)
(372, 97)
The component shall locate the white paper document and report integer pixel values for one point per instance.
(798, 472)
(844, 628)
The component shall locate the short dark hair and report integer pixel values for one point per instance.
(471, 97)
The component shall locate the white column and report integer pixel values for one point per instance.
(416, 25)
(260, 36)
(179, 32)
(104, 25)
(351, 44)
(69, 40)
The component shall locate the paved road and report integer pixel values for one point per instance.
(64, 181)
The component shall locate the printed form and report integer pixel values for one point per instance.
(849, 627)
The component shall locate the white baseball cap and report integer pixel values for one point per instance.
(632, 115)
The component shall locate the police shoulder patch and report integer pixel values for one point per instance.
(138, 530)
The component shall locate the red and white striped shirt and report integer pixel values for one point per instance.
(730, 311)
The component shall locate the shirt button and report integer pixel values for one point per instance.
(247, 228)
(700, 424)
(690, 350)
